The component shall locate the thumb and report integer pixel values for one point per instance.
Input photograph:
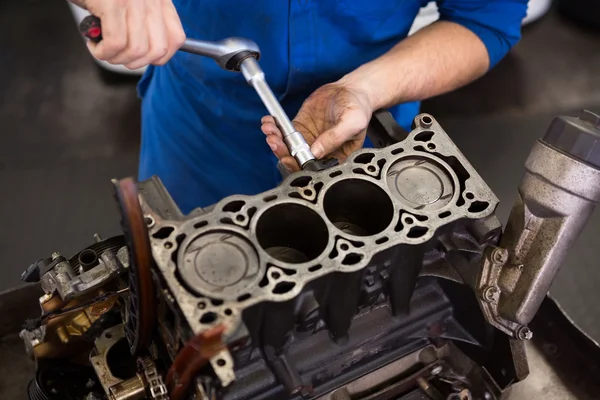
(333, 138)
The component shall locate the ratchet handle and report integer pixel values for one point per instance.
(91, 28)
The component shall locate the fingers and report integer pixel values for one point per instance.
(175, 33)
(157, 40)
(114, 29)
(136, 32)
(269, 127)
(349, 126)
(275, 142)
(329, 141)
(274, 138)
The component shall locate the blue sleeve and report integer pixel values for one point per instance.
(496, 22)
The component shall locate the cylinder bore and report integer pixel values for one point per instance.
(292, 233)
(358, 207)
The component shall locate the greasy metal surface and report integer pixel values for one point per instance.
(375, 338)
(194, 355)
(315, 224)
(62, 336)
(556, 198)
(103, 344)
(562, 361)
(130, 389)
(71, 282)
(365, 384)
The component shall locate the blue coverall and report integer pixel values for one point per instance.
(201, 125)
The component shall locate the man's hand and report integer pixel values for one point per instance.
(135, 33)
(333, 120)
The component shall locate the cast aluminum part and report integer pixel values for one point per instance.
(113, 386)
(557, 195)
(146, 384)
(69, 283)
(293, 139)
(380, 208)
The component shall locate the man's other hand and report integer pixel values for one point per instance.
(333, 120)
(135, 33)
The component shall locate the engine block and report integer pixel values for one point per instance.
(319, 247)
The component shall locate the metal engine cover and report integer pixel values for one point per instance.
(312, 253)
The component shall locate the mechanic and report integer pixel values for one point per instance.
(200, 124)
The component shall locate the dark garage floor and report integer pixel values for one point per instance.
(66, 134)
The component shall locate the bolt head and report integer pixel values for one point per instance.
(490, 294)
(524, 333)
(499, 256)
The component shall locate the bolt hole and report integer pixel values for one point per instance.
(371, 168)
(308, 192)
(234, 206)
(426, 119)
(344, 247)
(163, 232)
(431, 146)
(283, 287)
(275, 275)
(445, 214)
(221, 362)
(244, 297)
(168, 245)
(469, 195)
(202, 305)
(228, 312)
(408, 220)
(208, 318)
(315, 268)
(108, 335)
(478, 206)
(240, 218)
(149, 221)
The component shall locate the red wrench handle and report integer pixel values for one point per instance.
(91, 28)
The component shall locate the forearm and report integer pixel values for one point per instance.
(437, 59)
